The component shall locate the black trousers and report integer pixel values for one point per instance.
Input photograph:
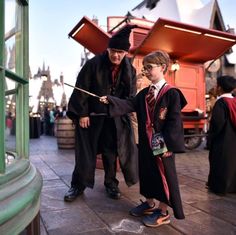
(108, 148)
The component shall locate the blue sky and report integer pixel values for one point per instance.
(51, 21)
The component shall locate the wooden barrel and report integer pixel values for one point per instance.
(65, 132)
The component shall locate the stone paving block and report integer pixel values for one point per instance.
(202, 223)
(52, 157)
(190, 195)
(35, 159)
(53, 199)
(108, 206)
(74, 220)
(194, 172)
(66, 179)
(221, 208)
(132, 193)
(187, 180)
(188, 209)
(37, 145)
(194, 164)
(99, 190)
(135, 226)
(199, 185)
(64, 168)
(184, 180)
(96, 195)
(46, 172)
(53, 183)
(92, 232)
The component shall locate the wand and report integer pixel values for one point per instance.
(82, 90)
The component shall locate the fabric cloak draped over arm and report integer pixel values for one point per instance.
(119, 107)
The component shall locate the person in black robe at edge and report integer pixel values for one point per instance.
(222, 139)
(108, 73)
(160, 131)
(46, 119)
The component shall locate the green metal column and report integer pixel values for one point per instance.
(22, 106)
(20, 181)
(25, 144)
(2, 89)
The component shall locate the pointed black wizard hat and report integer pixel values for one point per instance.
(120, 40)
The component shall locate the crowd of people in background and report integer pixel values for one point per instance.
(49, 118)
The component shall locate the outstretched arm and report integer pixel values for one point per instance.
(117, 106)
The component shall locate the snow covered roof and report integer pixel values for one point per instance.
(192, 12)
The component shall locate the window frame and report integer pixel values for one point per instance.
(21, 90)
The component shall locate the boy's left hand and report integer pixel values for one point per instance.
(166, 154)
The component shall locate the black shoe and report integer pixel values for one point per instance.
(113, 192)
(73, 193)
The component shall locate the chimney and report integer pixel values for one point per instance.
(230, 30)
(95, 20)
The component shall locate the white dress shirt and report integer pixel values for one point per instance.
(158, 86)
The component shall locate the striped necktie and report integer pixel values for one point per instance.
(150, 99)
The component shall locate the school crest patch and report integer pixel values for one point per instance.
(162, 113)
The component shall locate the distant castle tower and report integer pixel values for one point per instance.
(46, 92)
(63, 98)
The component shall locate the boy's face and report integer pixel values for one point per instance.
(154, 72)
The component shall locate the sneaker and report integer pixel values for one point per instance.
(142, 209)
(156, 219)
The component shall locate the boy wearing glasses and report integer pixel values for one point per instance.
(160, 129)
(108, 73)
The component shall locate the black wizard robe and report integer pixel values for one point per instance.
(221, 143)
(96, 77)
(157, 176)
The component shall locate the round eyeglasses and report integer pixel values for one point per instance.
(149, 67)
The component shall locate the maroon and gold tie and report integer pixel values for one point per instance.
(150, 99)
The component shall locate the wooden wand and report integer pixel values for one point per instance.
(82, 90)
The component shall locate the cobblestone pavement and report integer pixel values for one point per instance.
(95, 213)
